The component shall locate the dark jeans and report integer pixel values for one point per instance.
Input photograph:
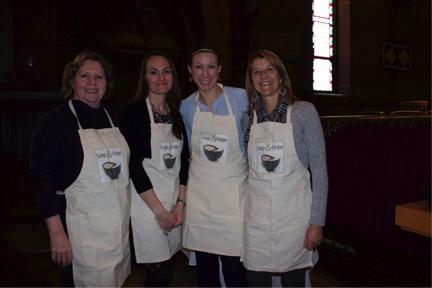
(67, 276)
(158, 274)
(294, 278)
(66, 272)
(234, 273)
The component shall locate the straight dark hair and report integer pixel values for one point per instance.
(173, 96)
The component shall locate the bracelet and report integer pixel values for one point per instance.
(182, 201)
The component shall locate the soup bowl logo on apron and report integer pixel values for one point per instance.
(168, 154)
(213, 147)
(109, 163)
(270, 157)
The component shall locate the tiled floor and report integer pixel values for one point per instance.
(25, 261)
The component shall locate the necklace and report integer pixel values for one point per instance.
(160, 109)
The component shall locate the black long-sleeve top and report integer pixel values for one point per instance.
(57, 156)
(135, 127)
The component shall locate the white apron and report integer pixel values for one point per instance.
(278, 201)
(98, 209)
(150, 242)
(217, 175)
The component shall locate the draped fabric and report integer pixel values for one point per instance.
(373, 167)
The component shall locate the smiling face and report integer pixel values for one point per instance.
(89, 83)
(205, 70)
(158, 75)
(265, 78)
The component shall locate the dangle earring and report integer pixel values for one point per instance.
(190, 77)
(255, 96)
(283, 92)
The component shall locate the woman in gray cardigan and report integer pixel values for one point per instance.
(287, 185)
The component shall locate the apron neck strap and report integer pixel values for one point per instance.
(72, 108)
(288, 114)
(226, 97)
(150, 111)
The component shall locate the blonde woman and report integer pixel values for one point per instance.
(217, 173)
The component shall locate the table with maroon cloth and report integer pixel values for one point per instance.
(375, 163)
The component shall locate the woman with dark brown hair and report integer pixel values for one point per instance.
(154, 131)
(287, 181)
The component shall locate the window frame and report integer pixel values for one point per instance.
(331, 20)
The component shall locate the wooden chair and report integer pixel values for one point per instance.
(414, 105)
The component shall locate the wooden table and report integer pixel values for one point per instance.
(414, 217)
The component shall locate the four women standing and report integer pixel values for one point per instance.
(271, 215)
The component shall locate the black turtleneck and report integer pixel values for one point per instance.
(56, 153)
